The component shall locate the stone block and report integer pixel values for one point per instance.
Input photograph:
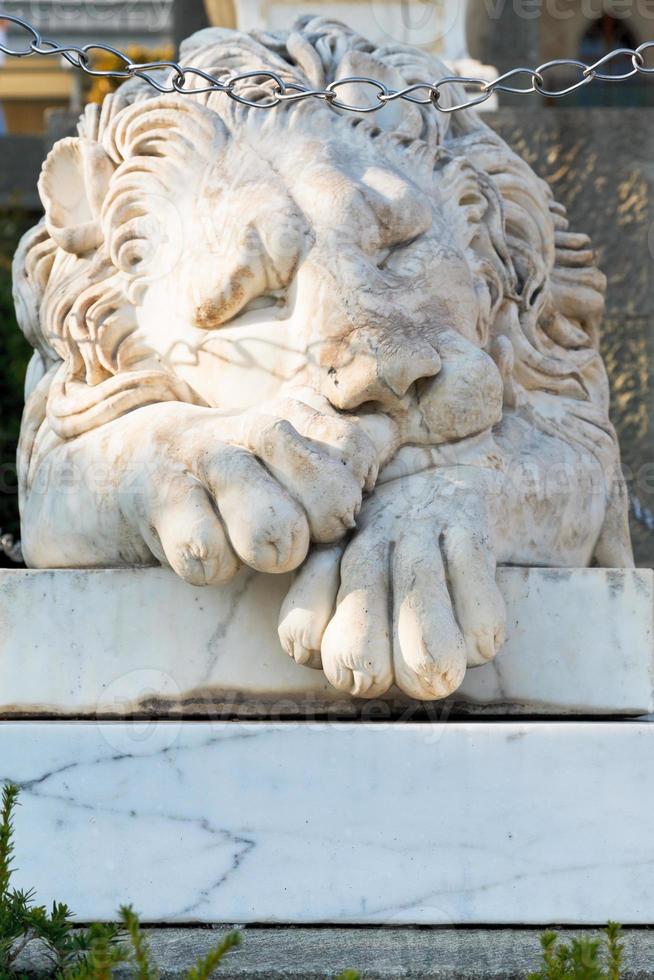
(111, 643)
(456, 823)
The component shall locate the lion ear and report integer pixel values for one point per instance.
(72, 186)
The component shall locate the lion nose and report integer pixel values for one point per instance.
(400, 369)
(384, 375)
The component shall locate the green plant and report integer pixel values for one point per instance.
(583, 958)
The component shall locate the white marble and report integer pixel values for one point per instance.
(257, 331)
(75, 643)
(474, 822)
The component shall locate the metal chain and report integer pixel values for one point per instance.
(421, 93)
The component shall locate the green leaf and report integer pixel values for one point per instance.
(585, 959)
(145, 969)
(102, 954)
(582, 959)
(206, 966)
(10, 794)
(615, 950)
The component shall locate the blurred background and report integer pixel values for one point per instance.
(595, 146)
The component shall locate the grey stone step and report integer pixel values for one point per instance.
(298, 953)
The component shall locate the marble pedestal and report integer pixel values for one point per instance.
(113, 644)
(122, 696)
(459, 823)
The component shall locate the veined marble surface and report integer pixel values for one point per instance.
(466, 822)
(113, 643)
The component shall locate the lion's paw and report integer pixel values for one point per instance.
(410, 601)
(256, 488)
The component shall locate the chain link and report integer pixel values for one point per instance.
(640, 52)
(279, 91)
(636, 60)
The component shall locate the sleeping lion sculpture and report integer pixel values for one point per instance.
(362, 347)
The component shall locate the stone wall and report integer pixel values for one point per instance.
(20, 162)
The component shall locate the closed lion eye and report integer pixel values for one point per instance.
(219, 312)
(392, 257)
(266, 301)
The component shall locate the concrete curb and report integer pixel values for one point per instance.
(297, 953)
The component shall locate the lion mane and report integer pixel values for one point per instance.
(79, 273)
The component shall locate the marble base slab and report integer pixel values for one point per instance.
(139, 642)
(458, 823)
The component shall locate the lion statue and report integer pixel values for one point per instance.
(359, 346)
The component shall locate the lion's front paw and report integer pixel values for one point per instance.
(324, 460)
(415, 601)
(220, 490)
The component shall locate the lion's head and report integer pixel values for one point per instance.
(197, 249)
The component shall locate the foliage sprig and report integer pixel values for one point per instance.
(583, 958)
